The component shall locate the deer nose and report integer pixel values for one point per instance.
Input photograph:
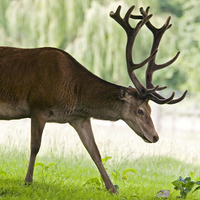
(155, 139)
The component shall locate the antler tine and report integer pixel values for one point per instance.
(179, 99)
(152, 66)
(128, 14)
(161, 98)
(150, 26)
(157, 67)
(124, 22)
(118, 18)
(167, 63)
(157, 33)
(131, 35)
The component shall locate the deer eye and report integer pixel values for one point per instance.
(140, 112)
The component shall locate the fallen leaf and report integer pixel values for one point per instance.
(163, 193)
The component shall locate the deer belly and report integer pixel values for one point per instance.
(61, 116)
(9, 111)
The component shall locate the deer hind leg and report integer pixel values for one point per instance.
(84, 130)
(38, 121)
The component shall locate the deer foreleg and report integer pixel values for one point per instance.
(84, 130)
(37, 125)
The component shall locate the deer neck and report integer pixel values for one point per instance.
(102, 102)
(107, 105)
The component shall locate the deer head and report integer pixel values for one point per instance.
(144, 125)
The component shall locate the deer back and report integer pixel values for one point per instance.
(49, 79)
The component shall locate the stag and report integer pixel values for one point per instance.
(48, 85)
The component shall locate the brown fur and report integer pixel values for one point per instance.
(49, 85)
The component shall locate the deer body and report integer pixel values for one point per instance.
(49, 85)
(52, 81)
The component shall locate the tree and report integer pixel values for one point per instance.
(189, 43)
(84, 28)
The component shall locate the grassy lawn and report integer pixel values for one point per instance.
(64, 177)
(63, 166)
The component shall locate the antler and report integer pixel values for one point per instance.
(131, 34)
(152, 66)
(150, 91)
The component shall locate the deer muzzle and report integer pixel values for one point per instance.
(154, 139)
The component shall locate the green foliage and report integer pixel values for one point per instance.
(116, 175)
(172, 6)
(44, 167)
(189, 43)
(104, 160)
(122, 175)
(186, 185)
(102, 47)
(153, 174)
(85, 30)
(45, 24)
(3, 173)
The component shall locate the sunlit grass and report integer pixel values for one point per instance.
(64, 177)
(63, 166)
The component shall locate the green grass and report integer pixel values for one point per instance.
(64, 177)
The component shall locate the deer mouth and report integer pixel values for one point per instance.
(146, 140)
(155, 139)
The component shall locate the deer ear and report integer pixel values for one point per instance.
(123, 94)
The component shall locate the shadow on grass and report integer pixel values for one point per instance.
(16, 189)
